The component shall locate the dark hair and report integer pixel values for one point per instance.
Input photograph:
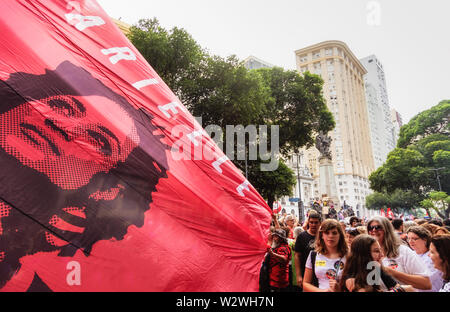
(28, 223)
(353, 231)
(442, 245)
(354, 218)
(356, 264)
(436, 221)
(314, 215)
(446, 222)
(422, 232)
(397, 223)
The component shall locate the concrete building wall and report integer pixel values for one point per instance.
(345, 95)
(383, 138)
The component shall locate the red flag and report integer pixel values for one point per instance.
(390, 214)
(382, 213)
(107, 182)
(278, 209)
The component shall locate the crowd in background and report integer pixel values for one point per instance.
(356, 255)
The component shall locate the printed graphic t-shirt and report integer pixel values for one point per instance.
(326, 269)
(407, 262)
(279, 271)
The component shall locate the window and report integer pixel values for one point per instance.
(303, 58)
(316, 55)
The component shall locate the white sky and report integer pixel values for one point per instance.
(412, 38)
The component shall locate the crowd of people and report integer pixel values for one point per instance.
(357, 255)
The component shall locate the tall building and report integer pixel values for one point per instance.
(351, 147)
(124, 27)
(382, 130)
(397, 122)
(253, 62)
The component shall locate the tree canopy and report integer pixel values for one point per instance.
(420, 164)
(222, 91)
(432, 121)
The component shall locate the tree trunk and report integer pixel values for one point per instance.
(440, 214)
(270, 200)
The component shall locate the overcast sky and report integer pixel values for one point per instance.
(410, 38)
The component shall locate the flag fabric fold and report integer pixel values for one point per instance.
(100, 189)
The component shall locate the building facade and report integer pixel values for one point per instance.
(382, 132)
(397, 123)
(253, 62)
(351, 148)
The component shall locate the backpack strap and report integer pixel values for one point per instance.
(314, 281)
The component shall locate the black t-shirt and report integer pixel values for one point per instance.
(303, 245)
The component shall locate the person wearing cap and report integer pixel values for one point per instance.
(280, 256)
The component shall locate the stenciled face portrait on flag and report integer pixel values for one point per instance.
(93, 193)
(76, 149)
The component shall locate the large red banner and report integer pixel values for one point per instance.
(101, 183)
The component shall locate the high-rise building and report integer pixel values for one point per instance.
(397, 123)
(382, 130)
(351, 148)
(253, 62)
(124, 27)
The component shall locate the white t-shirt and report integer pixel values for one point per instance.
(436, 275)
(407, 262)
(326, 269)
(445, 288)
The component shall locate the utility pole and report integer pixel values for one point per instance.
(437, 176)
(301, 214)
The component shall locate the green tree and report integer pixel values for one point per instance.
(226, 93)
(439, 202)
(223, 92)
(377, 200)
(297, 106)
(421, 162)
(398, 200)
(173, 54)
(272, 184)
(432, 121)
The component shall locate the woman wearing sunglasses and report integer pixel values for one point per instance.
(400, 261)
(325, 264)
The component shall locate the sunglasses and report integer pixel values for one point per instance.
(374, 227)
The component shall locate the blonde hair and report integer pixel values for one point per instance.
(431, 227)
(391, 241)
(362, 229)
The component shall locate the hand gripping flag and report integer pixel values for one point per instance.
(107, 182)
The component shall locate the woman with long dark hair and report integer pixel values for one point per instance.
(363, 271)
